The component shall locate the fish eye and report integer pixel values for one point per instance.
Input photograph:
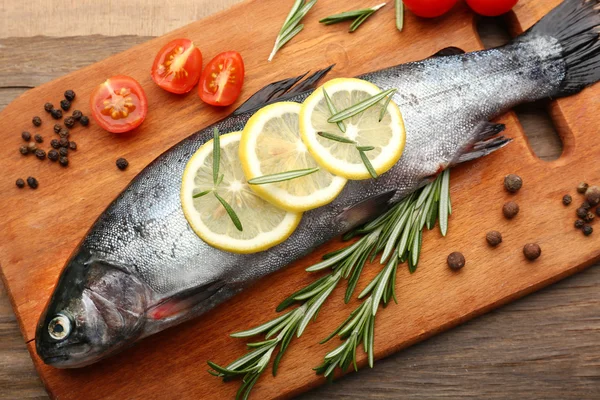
(59, 327)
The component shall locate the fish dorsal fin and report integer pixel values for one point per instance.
(449, 51)
(183, 301)
(282, 90)
(365, 210)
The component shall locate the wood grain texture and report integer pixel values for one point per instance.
(592, 366)
(107, 17)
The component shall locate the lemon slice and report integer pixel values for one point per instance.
(263, 224)
(271, 144)
(386, 137)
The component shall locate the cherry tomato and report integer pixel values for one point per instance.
(491, 8)
(119, 104)
(222, 79)
(429, 8)
(177, 66)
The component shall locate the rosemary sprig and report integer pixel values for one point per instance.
(282, 176)
(399, 15)
(360, 107)
(361, 150)
(359, 16)
(382, 235)
(292, 26)
(333, 110)
(400, 240)
(217, 179)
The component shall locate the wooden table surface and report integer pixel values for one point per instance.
(546, 345)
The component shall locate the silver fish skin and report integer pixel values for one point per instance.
(142, 269)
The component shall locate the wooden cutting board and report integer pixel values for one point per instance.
(39, 229)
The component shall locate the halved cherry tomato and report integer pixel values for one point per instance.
(429, 8)
(222, 79)
(492, 8)
(177, 66)
(119, 104)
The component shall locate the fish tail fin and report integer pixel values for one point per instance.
(576, 25)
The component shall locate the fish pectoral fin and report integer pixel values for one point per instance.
(483, 148)
(363, 211)
(282, 90)
(183, 301)
(449, 51)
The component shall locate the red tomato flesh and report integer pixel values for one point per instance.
(177, 66)
(222, 79)
(119, 104)
(492, 8)
(429, 8)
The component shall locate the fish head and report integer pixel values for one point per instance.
(97, 308)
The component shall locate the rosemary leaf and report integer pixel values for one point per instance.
(344, 16)
(384, 108)
(333, 110)
(216, 155)
(261, 328)
(399, 15)
(312, 310)
(365, 148)
(197, 195)
(282, 176)
(334, 137)
(232, 214)
(291, 27)
(368, 164)
(358, 21)
(360, 106)
(444, 205)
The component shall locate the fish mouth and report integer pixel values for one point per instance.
(75, 358)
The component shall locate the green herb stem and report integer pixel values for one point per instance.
(282, 176)
(291, 27)
(360, 107)
(234, 218)
(399, 15)
(359, 16)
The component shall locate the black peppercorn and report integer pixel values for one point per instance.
(32, 147)
(587, 230)
(494, 238)
(63, 151)
(582, 187)
(69, 122)
(41, 154)
(592, 195)
(456, 261)
(64, 161)
(48, 107)
(532, 251)
(77, 114)
(567, 199)
(63, 142)
(586, 205)
(122, 163)
(513, 183)
(72, 145)
(64, 133)
(84, 120)
(37, 121)
(581, 212)
(70, 95)
(56, 113)
(579, 224)
(55, 144)
(38, 138)
(510, 210)
(589, 217)
(20, 183)
(32, 182)
(53, 155)
(24, 150)
(57, 128)
(65, 104)
(26, 136)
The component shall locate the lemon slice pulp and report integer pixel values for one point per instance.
(271, 144)
(263, 225)
(387, 137)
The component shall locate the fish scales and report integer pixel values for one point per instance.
(142, 255)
